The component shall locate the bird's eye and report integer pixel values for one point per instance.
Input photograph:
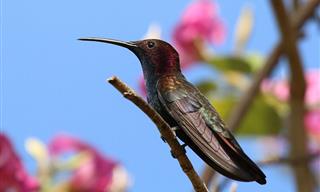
(150, 44)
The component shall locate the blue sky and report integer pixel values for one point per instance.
(52, 83)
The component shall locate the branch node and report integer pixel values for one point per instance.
(129, 94)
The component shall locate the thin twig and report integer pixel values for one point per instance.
(237, 114)
(164, 129)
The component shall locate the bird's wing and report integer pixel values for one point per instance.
(202, 124)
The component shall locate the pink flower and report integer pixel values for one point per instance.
(312, 96)
(312, 121)
(13, 176)
(280, 88)
(199, 23)
(96, 174)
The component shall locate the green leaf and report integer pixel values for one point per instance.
(281, 107)
(237, 80)
(261, 119)
(230, 63)
(224, 105)
(255, 60)
(206, 86)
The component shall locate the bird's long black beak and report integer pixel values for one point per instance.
(129, 45)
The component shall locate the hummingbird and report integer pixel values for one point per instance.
(188, 112)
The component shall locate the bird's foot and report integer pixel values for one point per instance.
(183, 149)
(173, 129)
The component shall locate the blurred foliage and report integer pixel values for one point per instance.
(236, 71)
(230, 63)
(244, 64)
(259, 118)
(243, 29)
(255, 60)
(206, 86)
(281, 107)
(236, 74)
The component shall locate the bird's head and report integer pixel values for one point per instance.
(157, 57)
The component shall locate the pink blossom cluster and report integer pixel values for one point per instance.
(280, 89)
(199, 24)
(98, 173)
(13, 176)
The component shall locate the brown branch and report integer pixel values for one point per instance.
(296, 132)
(164, 129)
(295, 4)
(298, 20)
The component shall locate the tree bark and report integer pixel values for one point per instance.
(296, 132)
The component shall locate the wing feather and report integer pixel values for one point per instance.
(202, 124)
